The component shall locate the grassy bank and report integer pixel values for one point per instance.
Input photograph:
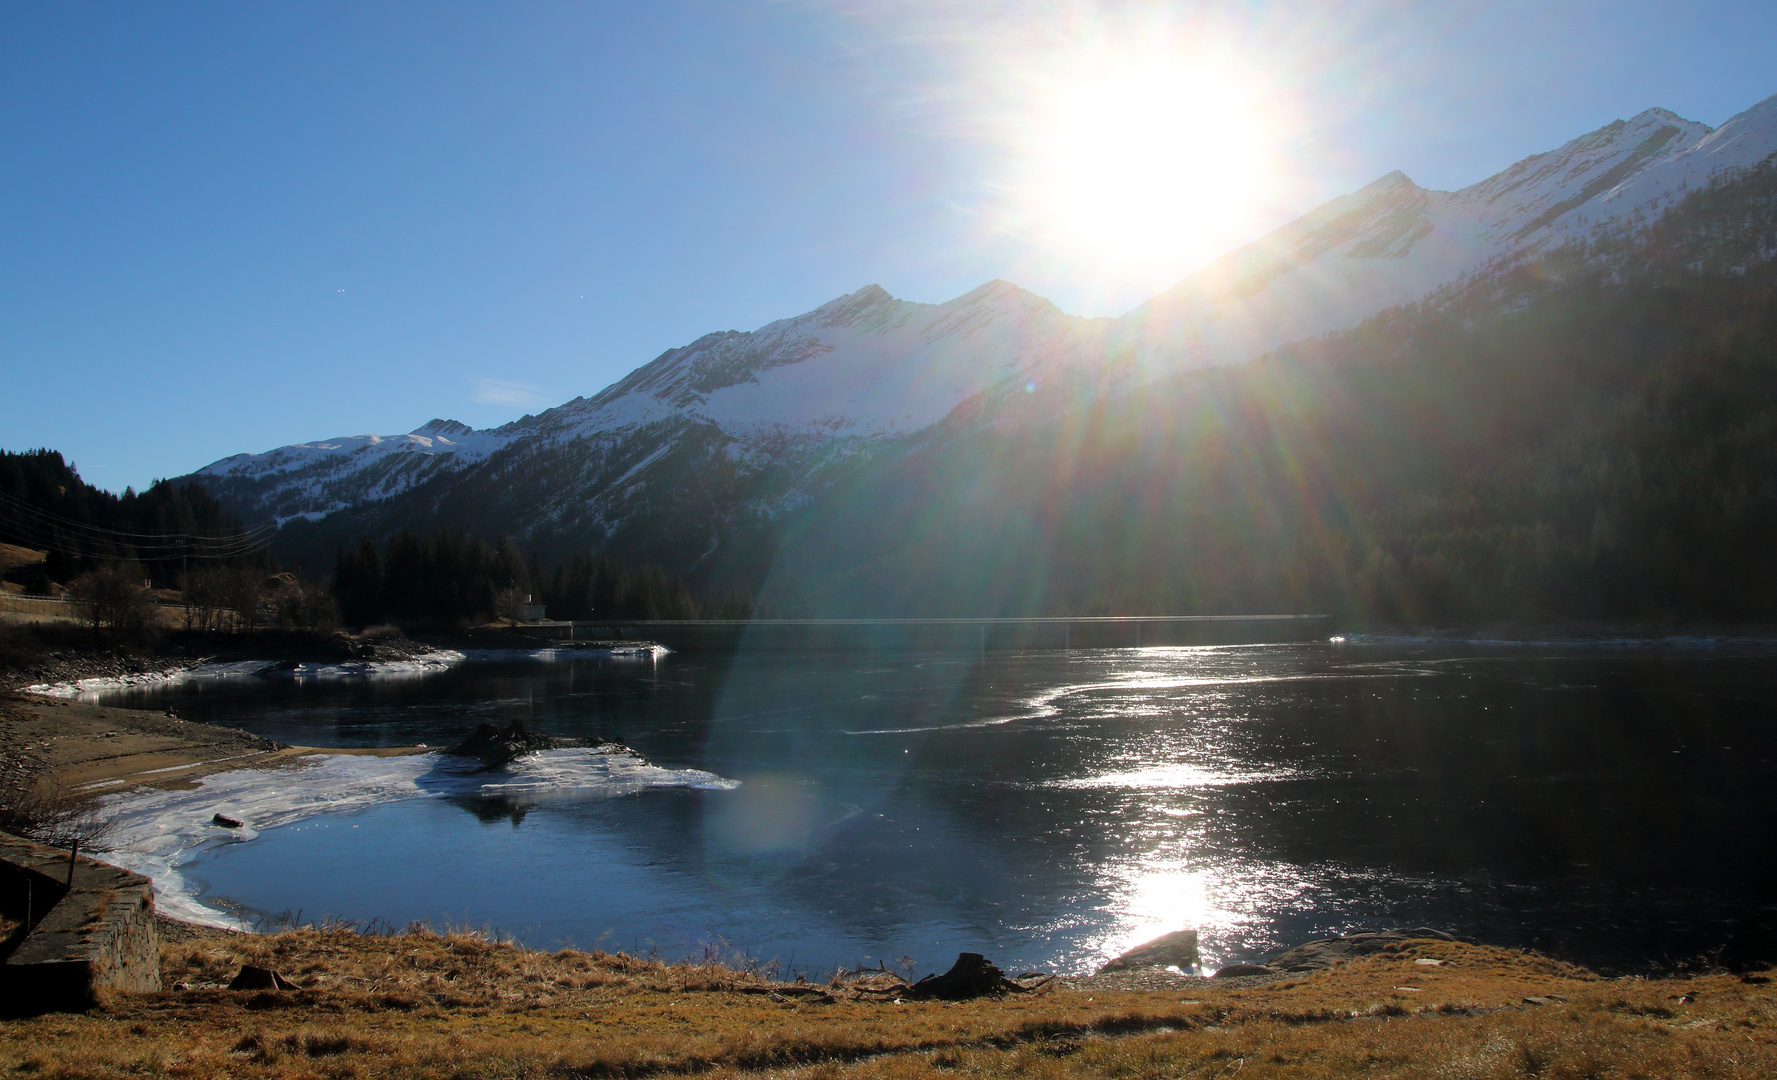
(459, 1006)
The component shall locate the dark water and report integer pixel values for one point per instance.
(1613, 806)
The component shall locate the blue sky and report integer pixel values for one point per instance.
(229, 227)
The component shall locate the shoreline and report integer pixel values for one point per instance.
(90, 672)
(75, 663)
(1576, 635)
(94, 749)
(159, 781)
(76, 750)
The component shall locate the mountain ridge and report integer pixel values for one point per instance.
(752, 422)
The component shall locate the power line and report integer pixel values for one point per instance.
(55, 517)
(56, 536)
(62, 520)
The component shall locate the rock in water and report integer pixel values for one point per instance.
(1177, 949)
(970, 977)
(495, 746)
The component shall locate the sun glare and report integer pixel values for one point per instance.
(1154, 163)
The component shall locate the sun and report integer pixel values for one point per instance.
(1149, 162)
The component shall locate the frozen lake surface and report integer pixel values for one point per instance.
(1608, 804)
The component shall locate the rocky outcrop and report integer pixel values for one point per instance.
(1316, 955)
(1245, 971)
(1149, 961)
(494, 746)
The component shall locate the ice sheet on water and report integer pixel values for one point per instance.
(552, 654)
(160, 832)
(421, 665)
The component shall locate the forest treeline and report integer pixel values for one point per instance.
(450, 576)
(111, 551)
(1592, 435)
(163, 531)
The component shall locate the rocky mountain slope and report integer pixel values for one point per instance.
(734, 430)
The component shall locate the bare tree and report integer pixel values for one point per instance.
(204, 591)
(509, 603)
(303, 603)
(244, 589)
(115, 599)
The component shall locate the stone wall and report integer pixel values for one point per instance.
(95, 932)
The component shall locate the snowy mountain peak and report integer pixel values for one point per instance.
(1745, 140)
(1749, 132)
(443, 427)
(868, 305)
(1657, 115)
(1385, 184)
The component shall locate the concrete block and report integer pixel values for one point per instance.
(92, 932)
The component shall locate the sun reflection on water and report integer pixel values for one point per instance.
(1171, 775)
(1173, 874)
(1156, 899)
(1227, 902)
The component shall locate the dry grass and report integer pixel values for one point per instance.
(459, 1006)
(50, 813)
(14, 557)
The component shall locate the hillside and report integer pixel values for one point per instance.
(1586, 435)
(421, 1004)
(46, 506)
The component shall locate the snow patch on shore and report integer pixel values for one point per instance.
(159, 833)
(87, 689)
(91, 689)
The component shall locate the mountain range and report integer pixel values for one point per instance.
(705, 455)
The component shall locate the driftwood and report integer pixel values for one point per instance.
(970, 977)
(819, 995)
(258, 978)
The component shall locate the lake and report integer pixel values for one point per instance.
(1612, 805)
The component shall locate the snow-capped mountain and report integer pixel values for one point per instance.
(1393, 242)
(863, 366)
(750, 423)
(314, 479)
